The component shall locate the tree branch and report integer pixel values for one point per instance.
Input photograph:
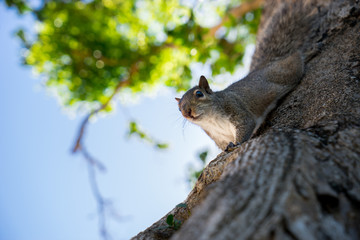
(237, 12)
(92, 163)
(120, 85)
(101, 202)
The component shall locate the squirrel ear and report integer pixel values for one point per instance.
(203, 83)
(177, 99)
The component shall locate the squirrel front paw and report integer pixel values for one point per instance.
(231, 147)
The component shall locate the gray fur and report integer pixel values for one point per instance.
(235, 113)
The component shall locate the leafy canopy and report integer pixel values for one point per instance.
(87, 50)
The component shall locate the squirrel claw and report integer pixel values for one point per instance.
(231, 147)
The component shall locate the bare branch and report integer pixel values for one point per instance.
(93, 164)
(83, 125)
(120, 85)
(100, 200)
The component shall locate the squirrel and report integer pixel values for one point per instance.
(234, 114)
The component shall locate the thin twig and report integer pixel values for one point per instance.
(84, 123)
(93, 164)
(101, 202)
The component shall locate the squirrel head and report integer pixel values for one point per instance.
(196, 102)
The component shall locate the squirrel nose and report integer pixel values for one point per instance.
(186, 112)
(189, 112)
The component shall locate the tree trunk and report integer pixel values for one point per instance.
(299, 178)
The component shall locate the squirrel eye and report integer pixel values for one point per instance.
(199, 94)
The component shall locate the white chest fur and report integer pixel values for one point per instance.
(220, 129)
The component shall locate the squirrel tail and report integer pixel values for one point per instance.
(284, 30)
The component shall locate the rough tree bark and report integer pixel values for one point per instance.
(299, 178)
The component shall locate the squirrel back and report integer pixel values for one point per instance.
(286, 28)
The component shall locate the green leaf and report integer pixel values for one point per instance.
(133, 127)
(162, 145)
(182, 205)
(170, 220)
(134, 130)
(21, 34)
(203, 156)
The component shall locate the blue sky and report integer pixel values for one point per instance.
(44, 189)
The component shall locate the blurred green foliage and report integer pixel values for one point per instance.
(135, 130)
(86, 49)
(20, 5)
